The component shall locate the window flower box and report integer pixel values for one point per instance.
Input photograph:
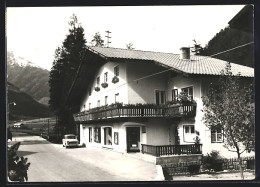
(97, 88)
(104, 84)
(115, 79)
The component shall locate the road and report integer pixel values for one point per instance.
(53, 163)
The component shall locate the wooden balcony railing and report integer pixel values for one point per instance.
(122, 111)
(164, 150)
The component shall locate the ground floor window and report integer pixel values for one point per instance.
(189, 133)
(84, 132)
(216, 135)
(97, 134)
(108, 136)
(90, 134)
(116, 138)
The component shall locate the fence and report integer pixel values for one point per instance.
(162, 150)
(173, 111)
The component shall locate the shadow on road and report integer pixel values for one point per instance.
(32, 142)
(25, 153)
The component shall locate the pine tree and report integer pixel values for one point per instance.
(229, 38)
(97, 40)
(66, 61)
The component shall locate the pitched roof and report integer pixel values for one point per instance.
(196, 65)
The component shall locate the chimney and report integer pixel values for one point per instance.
(185, 53)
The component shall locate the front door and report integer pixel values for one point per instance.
(133, 139)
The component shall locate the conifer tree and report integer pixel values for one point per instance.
(66, 61)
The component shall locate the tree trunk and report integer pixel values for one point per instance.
(240, 166)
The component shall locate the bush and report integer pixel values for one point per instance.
(17, 166)
(212, 161)
(193, 168)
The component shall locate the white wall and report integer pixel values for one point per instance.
(110, 91)
(157, 132)
(143, 91)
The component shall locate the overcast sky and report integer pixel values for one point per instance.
(34, 33)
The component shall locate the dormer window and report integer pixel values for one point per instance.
(116, 71)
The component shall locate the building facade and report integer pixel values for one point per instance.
(130, 103)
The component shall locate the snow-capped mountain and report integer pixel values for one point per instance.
(29, 77)
(22, 62)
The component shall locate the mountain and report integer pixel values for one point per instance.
(29, 77)
(26, 107)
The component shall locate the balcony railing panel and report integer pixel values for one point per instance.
(173, 111)
(164, 150)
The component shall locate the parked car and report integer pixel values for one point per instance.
(70, 140)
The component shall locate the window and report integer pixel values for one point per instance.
(189, 92)
(217, 135)
(105, 77)
(98, 81)
(84, 131)
(189, 133)
(174, 94)
(116, 138)
(84, 107)
(97, 133)
(116, 71)
(89, 106)
(105, 100)
(143, 129)
(89, 91)
(98, 103)
(117, 98)
(160, 97)
(90, 134)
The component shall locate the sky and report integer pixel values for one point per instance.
(35, 32)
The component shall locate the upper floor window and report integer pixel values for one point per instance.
(116, 71)
(98, 103)
(216, 135)
(117, 98)
(106, 100)
(89, 106)
(105, 77)
(160, 97)
(189, 92)
(174, 94)
(98, 81)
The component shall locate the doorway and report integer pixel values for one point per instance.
(133, 139)
(107, 136)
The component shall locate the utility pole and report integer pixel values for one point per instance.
(108, 42)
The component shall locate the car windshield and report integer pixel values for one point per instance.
(70, 137)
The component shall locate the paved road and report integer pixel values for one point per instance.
(53, 163)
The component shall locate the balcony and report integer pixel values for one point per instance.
(165, 150)
(137, 111)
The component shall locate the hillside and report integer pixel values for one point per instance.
(26, 107)
(30, 78)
